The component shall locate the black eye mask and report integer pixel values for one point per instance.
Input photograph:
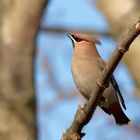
(77, 39)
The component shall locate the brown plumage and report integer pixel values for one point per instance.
(87, 65)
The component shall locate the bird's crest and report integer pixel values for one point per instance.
(83, 37)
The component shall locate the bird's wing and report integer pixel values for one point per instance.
(115, 85)
(101, 63)
(113, 82)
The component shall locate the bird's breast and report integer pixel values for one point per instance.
(85, 73)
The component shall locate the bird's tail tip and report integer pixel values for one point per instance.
(120, 118)
(128, 123)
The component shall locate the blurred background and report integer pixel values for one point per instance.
(38, 98)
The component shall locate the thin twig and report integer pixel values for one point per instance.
(84, 114)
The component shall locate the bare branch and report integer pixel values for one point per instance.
(84, 114)
(72, 30)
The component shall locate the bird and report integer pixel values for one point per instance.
(86, 67)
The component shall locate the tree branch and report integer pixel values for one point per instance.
(84, 114)
(73, 30)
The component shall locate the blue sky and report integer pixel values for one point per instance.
(58, 50)
(74, 14)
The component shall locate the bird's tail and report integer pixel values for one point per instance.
(120, 118)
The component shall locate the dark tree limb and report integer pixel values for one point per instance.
(84, 114)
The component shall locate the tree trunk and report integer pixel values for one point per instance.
(120, 15)
(19, 23)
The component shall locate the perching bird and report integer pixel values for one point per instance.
(87, 65)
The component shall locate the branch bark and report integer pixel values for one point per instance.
(84, 114)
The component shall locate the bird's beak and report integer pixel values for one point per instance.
(71, 37)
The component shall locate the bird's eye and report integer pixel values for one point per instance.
(78, 39)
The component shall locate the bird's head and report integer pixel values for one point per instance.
(82, 39)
